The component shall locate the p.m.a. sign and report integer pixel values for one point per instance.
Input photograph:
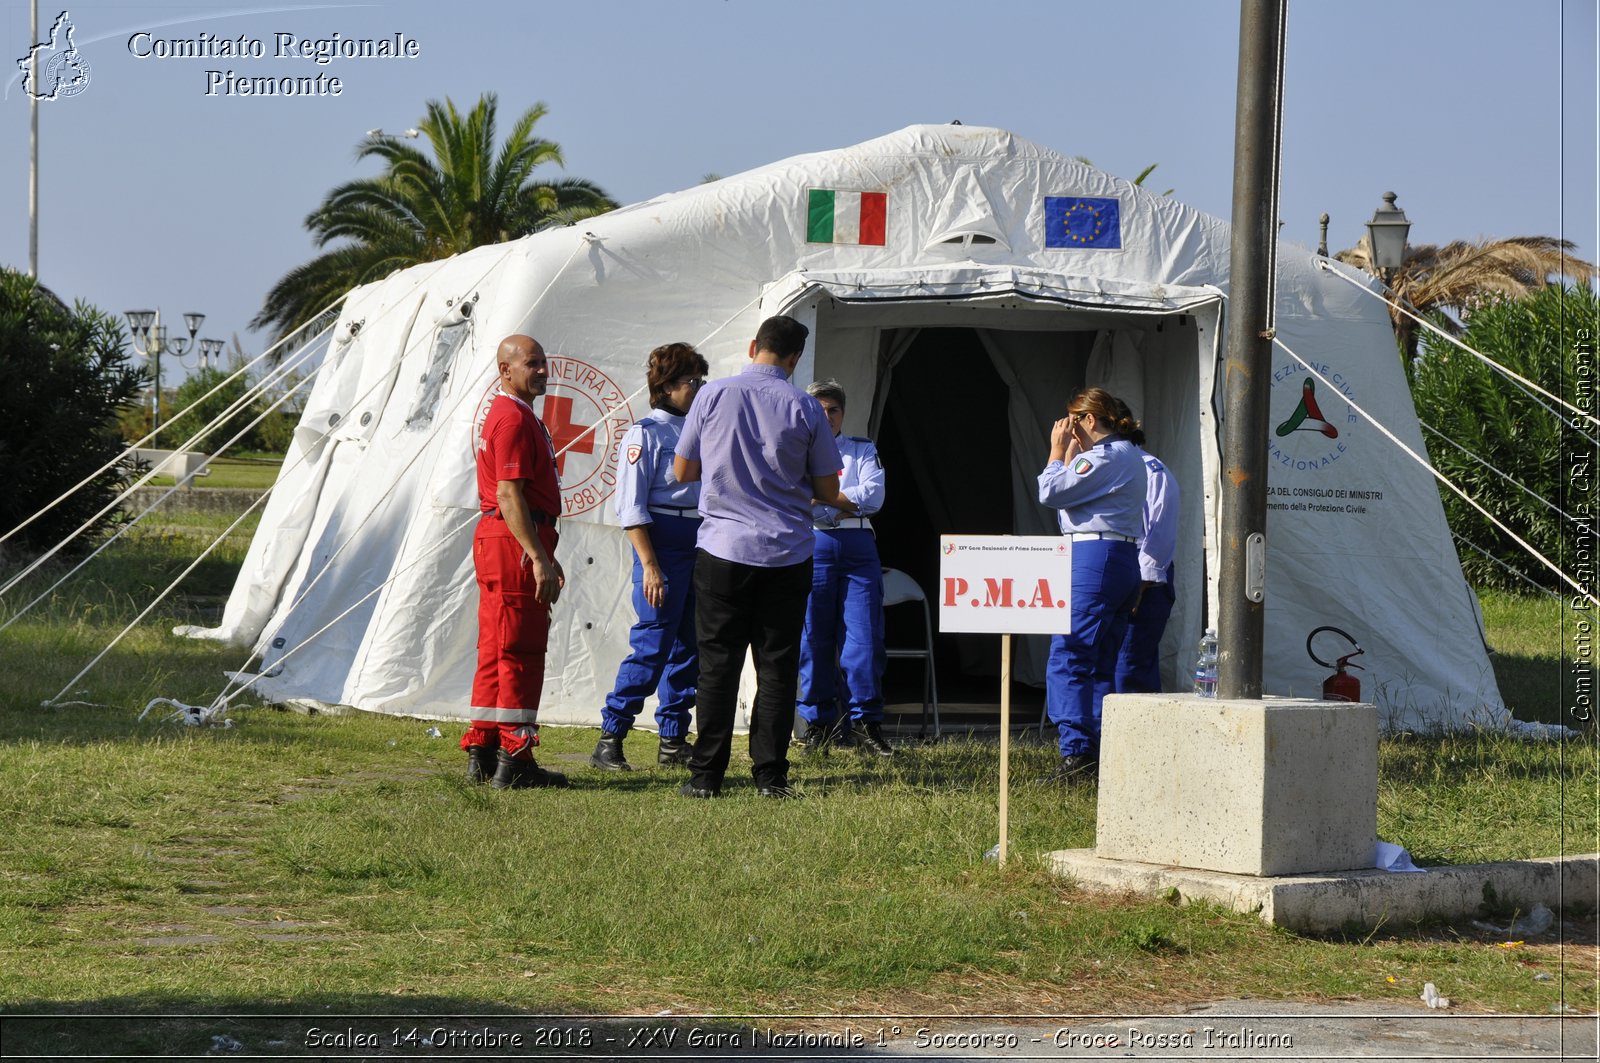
(1016, 584)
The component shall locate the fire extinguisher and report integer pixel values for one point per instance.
(1341, 685)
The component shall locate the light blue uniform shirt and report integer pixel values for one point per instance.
(1099, 490)
(644, 470)
(759, 440)
(860, 480)
(1159, 542)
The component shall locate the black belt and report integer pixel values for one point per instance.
(538, 516)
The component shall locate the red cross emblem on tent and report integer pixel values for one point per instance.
(565, 434)
(586, 414)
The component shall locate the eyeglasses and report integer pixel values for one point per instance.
(691, 381)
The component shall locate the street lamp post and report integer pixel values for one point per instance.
(210, 353)
(150, 341)
(1387, 232)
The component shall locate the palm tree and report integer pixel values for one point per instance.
(421, 209)
(1461, 276)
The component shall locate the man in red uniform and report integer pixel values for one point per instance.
(519, 578)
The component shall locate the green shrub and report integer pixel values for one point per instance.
(66, 374)
(276, 431)
(197, 414)
(1465, 406)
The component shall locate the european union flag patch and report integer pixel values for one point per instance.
(1083, 222)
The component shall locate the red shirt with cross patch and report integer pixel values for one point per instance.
(515, 446)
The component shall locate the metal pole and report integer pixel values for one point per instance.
(155, 356)
(1248, 367)
(33, 149)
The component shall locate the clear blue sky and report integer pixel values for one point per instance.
(1480, 115)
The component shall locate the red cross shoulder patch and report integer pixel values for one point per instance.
(634, 450)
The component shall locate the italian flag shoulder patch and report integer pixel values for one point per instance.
(835, 216)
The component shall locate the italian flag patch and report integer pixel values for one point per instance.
(838, 217)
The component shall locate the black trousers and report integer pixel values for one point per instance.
(742, 608)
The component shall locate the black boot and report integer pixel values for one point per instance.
(480, 764)
(871, 740)
(674, 751)
(819, 736)
(608, 753)
(1075, 769)
(513, 774)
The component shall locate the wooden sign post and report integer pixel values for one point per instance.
(1005, 584)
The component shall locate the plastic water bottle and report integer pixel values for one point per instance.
(1205, 666)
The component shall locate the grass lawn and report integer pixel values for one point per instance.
(247, 469)
(342, 865)
(1527, 639)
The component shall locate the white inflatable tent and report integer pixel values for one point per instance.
(961, 283)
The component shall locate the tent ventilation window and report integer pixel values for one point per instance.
(449, 340)
(968, 239)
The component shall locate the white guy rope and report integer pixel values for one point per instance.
(158, 599)
(1485, 359)
(1507, 477)
(129, 526)
(264, 496)
(154, 432)
(221, 418)
(1515, 572)
(1420, 460)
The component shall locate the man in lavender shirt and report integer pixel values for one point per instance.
(763, 451)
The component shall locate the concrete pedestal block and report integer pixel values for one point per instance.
(1283, 786)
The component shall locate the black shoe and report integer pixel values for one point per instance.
(674, 751)
(1076, 768)
(513, 774)
(480, 764)
(871, 740)
(608, 753)
(689, 789)
(819, 736)
(779, 789)
(845, 736)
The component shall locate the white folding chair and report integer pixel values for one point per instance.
(899, 588)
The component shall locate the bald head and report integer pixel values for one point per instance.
(523, 370)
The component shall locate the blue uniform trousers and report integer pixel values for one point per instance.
(844, 624)
(1082, 668)
(664, 659)
(1139, 662)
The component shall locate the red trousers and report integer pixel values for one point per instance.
(513, 629)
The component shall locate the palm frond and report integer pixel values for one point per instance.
(463, 191)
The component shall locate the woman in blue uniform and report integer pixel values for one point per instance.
(1095, 478)
(844, 618)
(661, 518)
(1139, 660)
